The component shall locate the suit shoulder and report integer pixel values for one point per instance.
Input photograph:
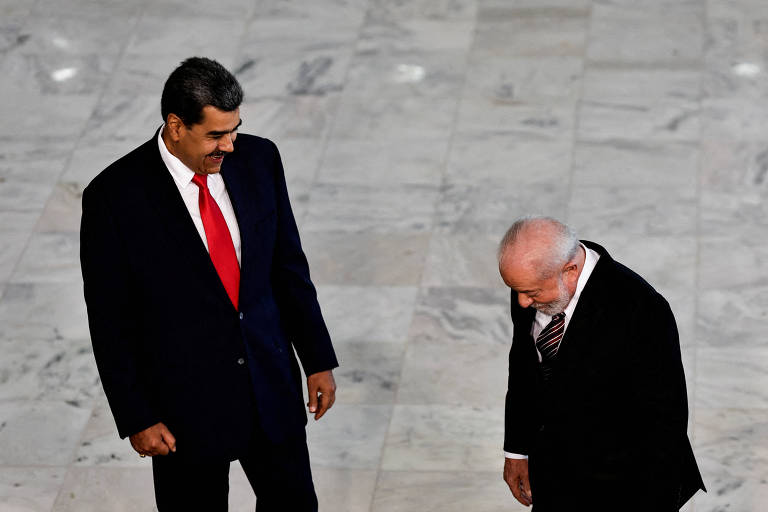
(632, 286)
(115, 174)
(254, 143)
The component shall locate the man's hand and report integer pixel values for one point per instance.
(322, 392)
(156, 440)
(516, 476)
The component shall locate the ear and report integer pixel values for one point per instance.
(175, 126)
(571, 272)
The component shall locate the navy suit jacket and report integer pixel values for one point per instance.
(609, 428)
(169, 345)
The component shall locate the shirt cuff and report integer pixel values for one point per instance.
(518, 456)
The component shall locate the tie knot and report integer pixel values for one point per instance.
(558, 317)
(201, 180)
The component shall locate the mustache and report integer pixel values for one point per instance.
(217, 154)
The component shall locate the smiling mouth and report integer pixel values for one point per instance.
(217, 155)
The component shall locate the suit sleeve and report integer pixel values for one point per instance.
(295, 294)
(109, 298)
(520, 404)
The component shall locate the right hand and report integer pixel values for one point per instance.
(155, 440)
(516, 476)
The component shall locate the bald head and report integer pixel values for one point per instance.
(542, 244)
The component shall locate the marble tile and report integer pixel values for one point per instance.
(48, 258)
(132, 119)
(88, 489)
(17, 222)
(11, 247)
(62, 117)
(13, 11)
(225, 9)
(26, 187)
(639, 103)
(368, 314)
(498, 157)
(349, 437)
(31, 489)
(299, 32)
(184, 36)
(504, 80)
(670, 32)
(415, 34)
(16, 150)
(101, 446)
(89, 158)
(432, 491)
(629, 164)
(415, 161)
(732, 377)
(733, 165)
(341, 11)
(733, 117)
(290, 117)
(43, 311)
(464, 259)
(344, 490)
(506, 29)
(273, 73)
(730, 447)
(78, 33)
(111, 8)
(63, 210)
(435, 372)
(363, 208)
(28, 437)
(746, 254)
(418, 73)
(401, 10)
(733, 317)
(552, 119)
(394, 118)
(144, 74)
(363, 258)
(368, 372)
(642, 211)
(61, 370)
(58, 73)
(481, 209)
(444, 437)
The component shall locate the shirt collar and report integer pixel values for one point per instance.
(182, 174)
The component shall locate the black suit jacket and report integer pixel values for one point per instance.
(169, 345)
(611, 423)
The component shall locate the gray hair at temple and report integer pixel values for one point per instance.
(564, 245)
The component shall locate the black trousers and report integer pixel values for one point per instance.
(278, 473)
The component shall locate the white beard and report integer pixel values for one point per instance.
(556, 306)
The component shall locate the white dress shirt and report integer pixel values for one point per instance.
(542, 319)
(182, 176)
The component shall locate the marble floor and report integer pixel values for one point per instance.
(413, 132)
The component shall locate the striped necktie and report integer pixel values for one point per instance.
(548, 342)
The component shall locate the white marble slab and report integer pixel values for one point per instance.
(349, 436)
(292, 116)
(464, 259)
(368, 314)
(49, 258)
(504, 29)
(29, 489)
(46, 311)
(28, 437)
(732, 377)
(364, 258)
(436, 491)
(344, 490)
(444, 438)
(63, 210)
(100, 445)
(89, 489)
(368, 373)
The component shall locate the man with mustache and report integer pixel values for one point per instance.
(596, 407)
(198, 292)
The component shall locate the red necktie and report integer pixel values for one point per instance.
(220, 245)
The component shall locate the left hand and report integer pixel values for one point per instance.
(322, 392)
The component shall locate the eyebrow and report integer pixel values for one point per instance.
(220, 133)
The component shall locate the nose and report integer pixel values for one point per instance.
(524, 300)
(225, 143)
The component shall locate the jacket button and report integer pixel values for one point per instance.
(241, 361)
(241, 316)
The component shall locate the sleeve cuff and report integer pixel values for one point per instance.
(510, 455)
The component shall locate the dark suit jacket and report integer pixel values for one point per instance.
(611, 422)
(169, 345)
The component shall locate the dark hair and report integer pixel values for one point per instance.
(198, 82)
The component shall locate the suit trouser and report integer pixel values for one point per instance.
(278, 473)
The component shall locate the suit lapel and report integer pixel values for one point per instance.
(172, 213)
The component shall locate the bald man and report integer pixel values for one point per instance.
(596, 407)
